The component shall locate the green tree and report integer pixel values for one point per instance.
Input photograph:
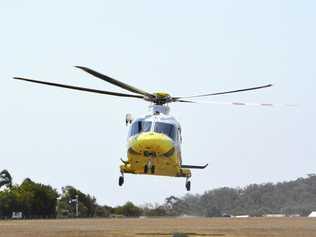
(103, 211)
(8, 203)
(37, 200)
(5, 179)
(34, 200)
(128, 209)
(67, 205)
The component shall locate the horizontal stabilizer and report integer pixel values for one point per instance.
(194, 166)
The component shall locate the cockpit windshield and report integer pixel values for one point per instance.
(140, 126)
(167, 129)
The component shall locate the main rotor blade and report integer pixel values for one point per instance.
(235, 103)
(224, 92)
(115, 82)
(79, 88)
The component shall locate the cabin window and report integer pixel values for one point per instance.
(140, 126)
(167, 129)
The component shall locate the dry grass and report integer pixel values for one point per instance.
(253, 227)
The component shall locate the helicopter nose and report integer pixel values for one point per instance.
(152, 144)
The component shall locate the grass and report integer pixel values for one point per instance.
(154, 227)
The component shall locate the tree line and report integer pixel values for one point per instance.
(36, 200)
(296, 197)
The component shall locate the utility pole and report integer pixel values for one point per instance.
(77, 205)
(76, 201)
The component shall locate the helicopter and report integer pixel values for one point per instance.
(154, 140)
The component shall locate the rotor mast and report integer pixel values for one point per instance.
(160, 109)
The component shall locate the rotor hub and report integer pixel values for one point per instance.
(161, 98)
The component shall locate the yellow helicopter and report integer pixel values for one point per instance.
(154, 141)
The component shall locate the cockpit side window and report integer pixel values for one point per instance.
(140, 126)
(167, 129)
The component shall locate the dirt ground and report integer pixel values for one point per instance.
(156, 227)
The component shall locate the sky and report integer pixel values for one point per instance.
(62, 137)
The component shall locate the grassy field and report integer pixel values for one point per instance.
(252, 227)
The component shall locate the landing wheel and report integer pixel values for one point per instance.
(121, 180)
(153, 169)
(188, 185)
(146, 169)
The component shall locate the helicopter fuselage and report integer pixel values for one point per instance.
(154, 147)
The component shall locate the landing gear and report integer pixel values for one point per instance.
(121, 180)
(151, 168)
(188, 184)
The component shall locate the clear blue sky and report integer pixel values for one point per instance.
(61, 137)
